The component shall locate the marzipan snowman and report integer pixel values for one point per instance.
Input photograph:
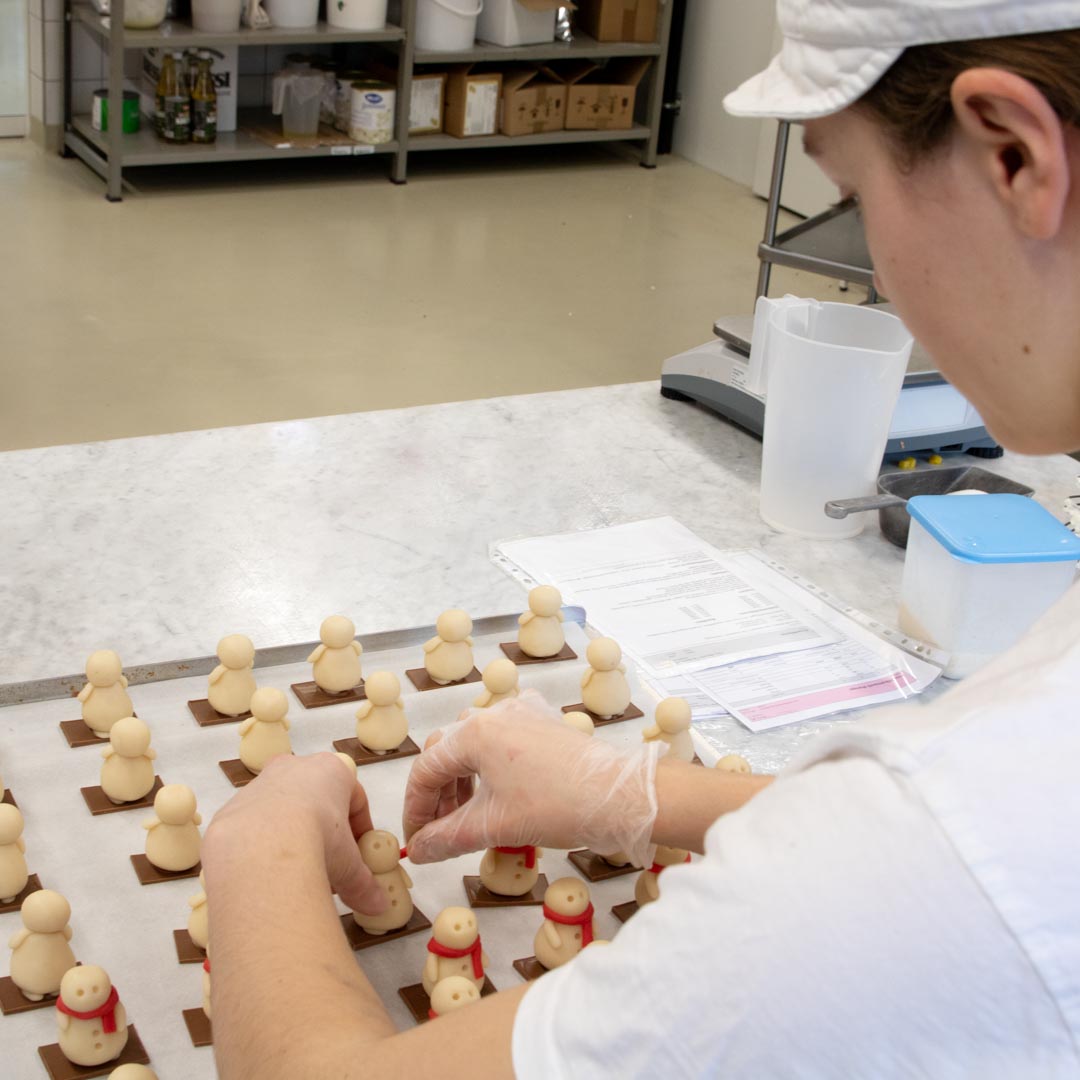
(581, 721)
(672, 727)
(347, 760)
(568, 925)
(232, 682)
(127, 774)
(172, 835)
(604, 689)
(735, 763)
(452, 993)
(40, 953)
(92, 1022)
(510, 871)
(132, 1071)
(647, 888)
(455, 949)
(335, 664)
(265, 733)
(540, 631)
(198, 924)
(13, 872)
(104, 698)
(382, 854)
(448, 656)
(380, 721)
(500, 683)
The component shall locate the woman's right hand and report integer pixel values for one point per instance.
(541, 783)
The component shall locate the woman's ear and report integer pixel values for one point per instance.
(1019, 144)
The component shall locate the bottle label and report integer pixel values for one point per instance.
(203, 121)
(177, 121)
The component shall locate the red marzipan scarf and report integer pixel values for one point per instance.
(456, 954)
(432, 1014)
(584, 920)
(656, 867)
(526, 850)
(107, 1012)
(206, 965)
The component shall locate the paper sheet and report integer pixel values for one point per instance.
(675, 603)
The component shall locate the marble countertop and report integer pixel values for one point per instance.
(158, 546)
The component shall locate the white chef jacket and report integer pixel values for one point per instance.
(903, 902)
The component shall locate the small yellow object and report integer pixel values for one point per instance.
(935, 459)
(907, 463)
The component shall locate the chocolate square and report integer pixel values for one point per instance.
(78, 734)
(593, 868)
(198, 1027)
(480, 896)
(238, 773)
(363, 756)
(207, 716)
(360, 939)
(59, 1068)
(632, 713)
(33, 883)
(513, 652)
(12, 1000)
(530, 968)
(312, 696)
(187, 952)
(423, 681)
(415, 997)
(622, 912)
(99, 803)
(149, 874)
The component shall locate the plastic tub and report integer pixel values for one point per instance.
(446, 25)
(979, 572)
(216, 16)
(293, 14)
(833, 374)
(298, 99)
(506, 22)
(144, 14)
(356, 14)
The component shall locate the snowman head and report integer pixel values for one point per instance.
(236, 651)
(174, 804)
(380, 850)
(103, 668)
(673, 715)
(604, 654)
(455, 927)
(85, 987)
(45, 912)
(453, 625)
(382, 688)
(269, 705)
(11, 823)
(501, 676)
(567, 896)
(130, 737)
(336, 632)
(545, 600)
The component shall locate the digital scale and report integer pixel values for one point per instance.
(931, 415)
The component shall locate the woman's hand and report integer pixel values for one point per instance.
(309, 800)
(540, 782)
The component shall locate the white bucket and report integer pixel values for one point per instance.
(446, 25)
(293, 14)
(833, 374)
(216, 16)
(356, 14)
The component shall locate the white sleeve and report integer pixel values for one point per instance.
(830, 931)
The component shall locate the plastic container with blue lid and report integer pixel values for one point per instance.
(979, 571)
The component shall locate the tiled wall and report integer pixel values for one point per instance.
(46, 40)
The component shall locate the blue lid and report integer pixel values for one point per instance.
(995, 528)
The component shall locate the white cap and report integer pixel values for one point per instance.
(835, 50)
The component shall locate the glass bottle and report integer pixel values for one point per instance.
(204, 103)
(166, 80)
(176, 124)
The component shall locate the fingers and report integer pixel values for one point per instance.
(359, 811)
(433, 780)
(459, 832)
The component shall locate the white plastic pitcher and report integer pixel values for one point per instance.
(215, 16)
(294, 14)
(297, 98)
(356, 14)
(446, 25)
(831, 374)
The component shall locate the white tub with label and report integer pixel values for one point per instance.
(979, 571)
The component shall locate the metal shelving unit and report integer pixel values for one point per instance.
(832, 243)
(110, 153)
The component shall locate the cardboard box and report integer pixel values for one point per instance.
(602, 99)
(226, 73)
(533, 100)
(619, 20)
(517, 22)
(426, 101)
(472, 101)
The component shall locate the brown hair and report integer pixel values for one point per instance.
(911, 100)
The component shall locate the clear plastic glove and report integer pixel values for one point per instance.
(540, 782)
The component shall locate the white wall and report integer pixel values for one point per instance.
(725, 42)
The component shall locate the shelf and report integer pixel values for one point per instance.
(145, 148)
(832, 243)
(582, 47)
(181, 35)
(547, 138)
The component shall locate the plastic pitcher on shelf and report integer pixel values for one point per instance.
(297, 97)
(831, 375)
(447, 25)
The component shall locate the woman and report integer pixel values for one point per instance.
(904, 900)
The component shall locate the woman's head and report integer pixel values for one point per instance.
(965, 158)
